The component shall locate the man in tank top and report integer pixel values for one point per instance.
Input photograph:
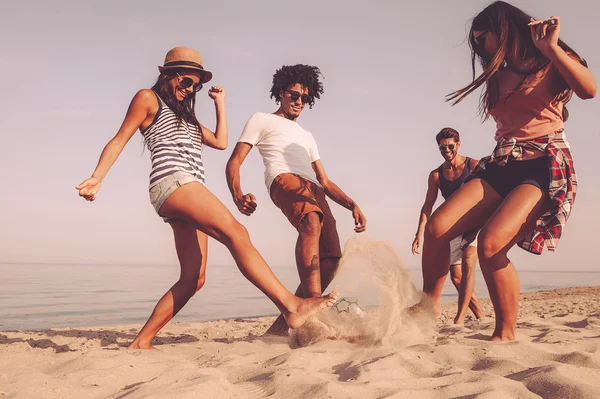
(448, 178)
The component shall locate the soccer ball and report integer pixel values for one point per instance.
(349, 306)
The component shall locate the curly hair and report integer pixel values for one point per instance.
(306, 75)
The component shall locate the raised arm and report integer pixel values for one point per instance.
(246, 203)
(139, 110)
(430, 198)
(577, 76)
(218, 138)
(336, 194)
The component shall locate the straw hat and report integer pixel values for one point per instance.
(183, 57)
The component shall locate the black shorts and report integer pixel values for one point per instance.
(504, 179)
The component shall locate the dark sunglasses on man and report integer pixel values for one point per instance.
(449, 146)
(294, 96)
(187, 82)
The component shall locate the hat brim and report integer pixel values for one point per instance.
(205, 76)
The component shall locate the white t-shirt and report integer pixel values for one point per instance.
(284, 146)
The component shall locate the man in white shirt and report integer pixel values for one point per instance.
(295, 179)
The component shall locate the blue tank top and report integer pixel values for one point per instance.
(448, 187)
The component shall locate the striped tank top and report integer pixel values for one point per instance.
(174, 145)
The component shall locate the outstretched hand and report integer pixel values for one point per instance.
(360, 221)
(89, 188)
(545, 33)
(246, 204)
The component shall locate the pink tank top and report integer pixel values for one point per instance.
(530, 112)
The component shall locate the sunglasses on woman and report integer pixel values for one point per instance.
(449, 146)
(187, 82)
(294, 96)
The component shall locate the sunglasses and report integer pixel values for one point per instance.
(187, 82)
(294, 96)
(449, 146)
(480, 40)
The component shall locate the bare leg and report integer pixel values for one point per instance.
(456, 275)
(466, 289)
(307, 255)
(195, 204)
(514, 219)
(328, 269)
(467, 208)
(192, 249)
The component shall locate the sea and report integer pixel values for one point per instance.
(41, 296)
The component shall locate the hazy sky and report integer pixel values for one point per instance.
(70, 69)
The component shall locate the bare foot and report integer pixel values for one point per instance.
(459, 320)
(139, 345)
(308, 307)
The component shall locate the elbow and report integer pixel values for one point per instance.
(591, 93)
(117, 143)
(232, 165)
(587, 93)
(217, 145)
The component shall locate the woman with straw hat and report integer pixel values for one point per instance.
(165, 116)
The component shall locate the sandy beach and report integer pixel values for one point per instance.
(556, 355)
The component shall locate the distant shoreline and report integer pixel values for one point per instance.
(448, 307)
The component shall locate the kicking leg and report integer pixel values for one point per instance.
(195, 204)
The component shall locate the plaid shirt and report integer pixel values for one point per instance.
(562, 190)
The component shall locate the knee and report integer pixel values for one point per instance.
(435, 228)
(456, 279)
(237, 232)
(191, 283)
(488, 246)
(310, 225)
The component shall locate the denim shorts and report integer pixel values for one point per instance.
(160, 191)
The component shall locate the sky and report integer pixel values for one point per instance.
(70, 69)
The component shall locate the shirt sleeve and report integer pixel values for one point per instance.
(253, 130)
(313, 150)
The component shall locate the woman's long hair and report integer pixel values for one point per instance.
(516, 52)
(184, 110)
